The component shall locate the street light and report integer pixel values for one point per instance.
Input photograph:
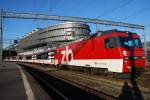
(1, 38)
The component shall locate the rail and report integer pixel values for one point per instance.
(96, 93)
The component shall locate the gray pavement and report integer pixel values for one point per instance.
(12, 86)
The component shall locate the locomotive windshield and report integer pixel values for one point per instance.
(129, 42)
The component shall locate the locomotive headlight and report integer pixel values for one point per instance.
(124, 53)
(143, 57)
(126, 58)
(135, 57)
(129, 67)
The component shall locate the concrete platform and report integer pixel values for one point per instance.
(17, 84)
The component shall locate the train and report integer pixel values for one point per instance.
(110, 51)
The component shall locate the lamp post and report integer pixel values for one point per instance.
(1, 38)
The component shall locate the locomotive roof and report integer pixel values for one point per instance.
(99, 33)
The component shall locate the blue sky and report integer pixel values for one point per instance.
(132, 11)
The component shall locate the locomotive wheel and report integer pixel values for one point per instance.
(58, 66)
(63, 67)
(106, 72)
(103, 71)
(94, 71)
(86, 69)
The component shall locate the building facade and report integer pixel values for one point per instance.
(53, 36)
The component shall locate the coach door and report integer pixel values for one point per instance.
(51, 57)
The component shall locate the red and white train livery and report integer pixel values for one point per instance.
(113, 50)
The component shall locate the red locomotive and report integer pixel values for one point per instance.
(113, 51)
(108, 51)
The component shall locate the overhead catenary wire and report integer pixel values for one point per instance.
(135, 14)
(54, 4)
(68, 18)
(115, 8)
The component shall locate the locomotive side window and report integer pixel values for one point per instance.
(110, 42)
(107, 43)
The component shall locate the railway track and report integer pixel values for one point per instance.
(85, 87)
(45, 84)
(104, 88)
(62, 90)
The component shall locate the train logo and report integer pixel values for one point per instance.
(67, 55)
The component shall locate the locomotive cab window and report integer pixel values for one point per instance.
(110, 42)
(129, 42)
